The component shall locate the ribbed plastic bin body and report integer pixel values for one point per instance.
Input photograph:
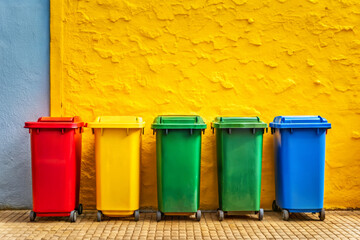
(117, 156)
(299, 162)
(178, 152)
(56, 164)
(239, 142)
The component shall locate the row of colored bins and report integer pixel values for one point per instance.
(56, 157)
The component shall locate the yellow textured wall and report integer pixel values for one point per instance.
(214, 57)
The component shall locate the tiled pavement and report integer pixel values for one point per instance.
(337, 225)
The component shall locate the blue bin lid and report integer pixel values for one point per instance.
(300, 122)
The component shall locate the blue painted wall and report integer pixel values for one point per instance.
(24, 92)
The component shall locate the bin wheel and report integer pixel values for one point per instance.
(99, 216)
(285, 215)
(198, 215)
(275, 207)
(322, 214)
(80, 209)
(73, 216)
(261, 214)
(32, 216)
(136, 215)
(158, 216)
(220, 214)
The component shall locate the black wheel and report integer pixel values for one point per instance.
(198, 215)
(275, 207)
(136, 215)
(80, 209)
(99, 216)
(32, 216)
(158, 216)
(220, 214)
(261, 214)
(73, 216)
(322, 214)
(285, 214)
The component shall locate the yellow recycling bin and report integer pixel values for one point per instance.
(117, 155)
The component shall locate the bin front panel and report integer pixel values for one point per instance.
(239, 157)
(178, 170)
(56, 158)
(117, 154)
(299, 168)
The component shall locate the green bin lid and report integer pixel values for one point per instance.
(178, 122)
(238, 122)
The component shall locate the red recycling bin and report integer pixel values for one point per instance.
(56, 163)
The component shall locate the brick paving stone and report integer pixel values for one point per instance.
(337, 225)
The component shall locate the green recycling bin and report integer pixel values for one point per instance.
(178, 154)
(239, 143)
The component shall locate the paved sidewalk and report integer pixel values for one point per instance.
(337, 225)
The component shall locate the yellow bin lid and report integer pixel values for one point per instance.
(117, 122)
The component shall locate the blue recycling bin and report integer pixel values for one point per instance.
(299, 164)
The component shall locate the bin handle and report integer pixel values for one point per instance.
(213, 130)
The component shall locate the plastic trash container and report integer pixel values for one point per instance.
(239, 142)
(178, 154)
(56, 163)
(117, 156)
(299, 164)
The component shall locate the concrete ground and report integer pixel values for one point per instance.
(337, 225)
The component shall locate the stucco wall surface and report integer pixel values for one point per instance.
(215, 57)
(24, 92)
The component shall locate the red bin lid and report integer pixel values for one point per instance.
(56, 122)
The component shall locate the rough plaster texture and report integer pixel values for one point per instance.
(24, 92)
(215, 57)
